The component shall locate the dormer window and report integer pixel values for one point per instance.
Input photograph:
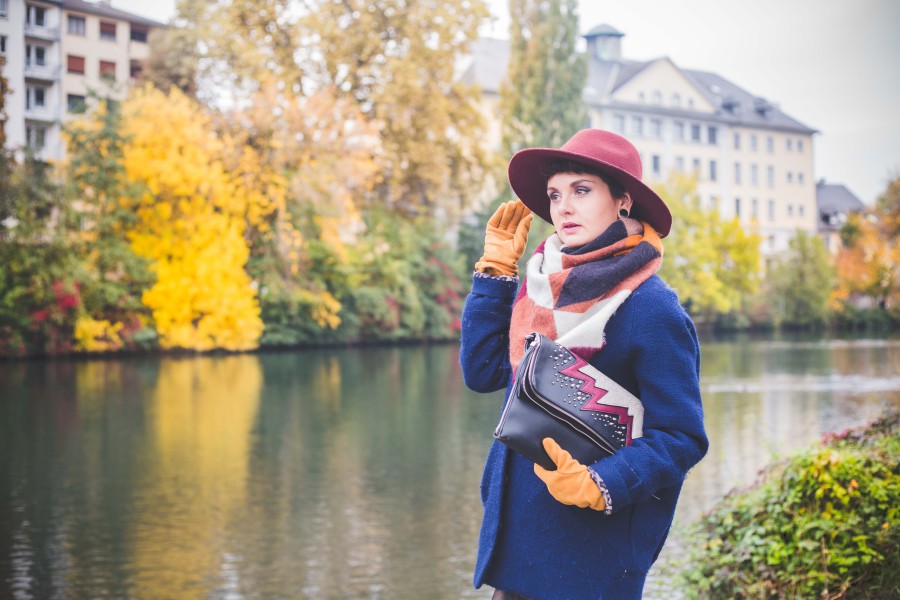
(656, 98)
(676, 100)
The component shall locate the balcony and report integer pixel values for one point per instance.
(43, 72)
(42, 33)
(41, 114)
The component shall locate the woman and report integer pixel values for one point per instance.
(583, 531)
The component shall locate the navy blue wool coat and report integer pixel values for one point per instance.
(534, 545)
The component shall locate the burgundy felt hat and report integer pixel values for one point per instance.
(601, 150)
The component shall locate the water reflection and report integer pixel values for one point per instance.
(330, 473)
(191, 475)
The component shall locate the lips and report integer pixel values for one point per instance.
(569, 227)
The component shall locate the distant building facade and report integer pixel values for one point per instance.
(835, 203)
(752, 161)
(57, 53)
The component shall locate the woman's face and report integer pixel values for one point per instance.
(581, 207)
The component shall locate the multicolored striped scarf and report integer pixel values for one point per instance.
(569, 294)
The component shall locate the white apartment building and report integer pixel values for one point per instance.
(30, 40)
(752, 161)
(58, 53)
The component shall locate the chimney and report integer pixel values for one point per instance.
(604, 42)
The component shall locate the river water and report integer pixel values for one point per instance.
(336, 473)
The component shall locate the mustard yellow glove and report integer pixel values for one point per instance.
(505, 238)
(570, 483)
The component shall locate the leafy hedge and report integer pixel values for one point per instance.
(822, 524)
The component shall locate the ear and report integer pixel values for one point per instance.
(625, 202)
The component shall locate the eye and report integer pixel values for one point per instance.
(554, 196)
(581, 190)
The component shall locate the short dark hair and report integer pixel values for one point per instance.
(564, 165)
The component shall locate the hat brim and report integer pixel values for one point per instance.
(528, 182)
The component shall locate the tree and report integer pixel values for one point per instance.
(404, 79)
(394, 58)
(323, 149)
(714, 265)
(888, 209)
(802, 281)
(114, 277)
(191, 224)
(173, 60)
(541, 100)
(868, 264)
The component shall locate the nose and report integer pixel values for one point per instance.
(565, 204)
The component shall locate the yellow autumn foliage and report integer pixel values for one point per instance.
(191, 225)
(93, 335)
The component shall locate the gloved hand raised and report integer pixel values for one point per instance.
(570, 483)
(505, 239)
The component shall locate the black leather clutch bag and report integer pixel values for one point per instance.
(558, 394)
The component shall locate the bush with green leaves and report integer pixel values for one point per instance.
(822, 524)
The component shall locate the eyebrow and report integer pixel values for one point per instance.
(573, 184)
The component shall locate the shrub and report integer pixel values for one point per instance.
(822, 524)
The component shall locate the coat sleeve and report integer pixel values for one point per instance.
(665, 354)
(484, 344)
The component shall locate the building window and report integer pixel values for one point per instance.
(697, 167)
(770, 175)
(657, 166)
(36, 16)
(655, 128)
(676, 100)
(2, 44)
(35, 56)
(75, 25)
(789, 144)
(799, 176)
(753, 142)
(679, 130)
(737, 141)
(108, 69)
(790, 177)
(35, 136)
(790, 210)
(637, 125)
(712, 135)
(75, 64)
(75, 103)
(771, 210)
(679, 164)
(619, 123)
(754, 208)
(135, 68)
(35, 97)
(138, 34)
(107, 31)
(4, 10)
(713, 175)
(737, 207)
(656, 98)
(799, 145)
(690, 103)
(754, 175)
(695, 132)
(714, 203)
(770, 144)
(737, 172)
(800, 209)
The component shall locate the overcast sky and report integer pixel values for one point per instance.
(830, 64)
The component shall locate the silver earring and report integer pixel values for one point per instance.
(623, 213)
